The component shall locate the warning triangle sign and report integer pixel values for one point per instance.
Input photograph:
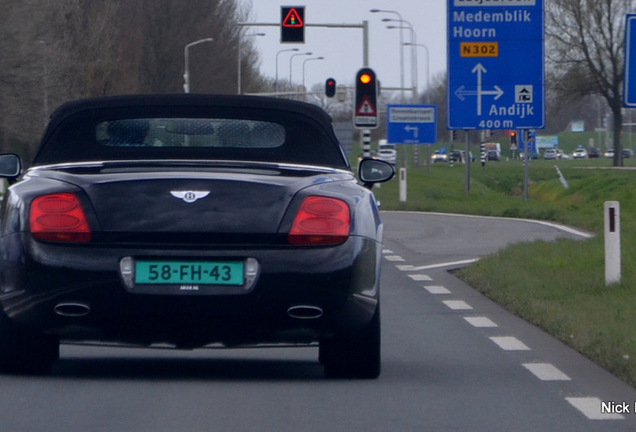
(293, 19)
(366, 108)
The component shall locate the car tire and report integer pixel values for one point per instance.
(26, 352)
(357, 356)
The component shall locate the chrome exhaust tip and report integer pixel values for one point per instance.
(305, 312)
(72, 309)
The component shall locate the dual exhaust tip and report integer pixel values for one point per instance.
(305, 312)
(72, 309)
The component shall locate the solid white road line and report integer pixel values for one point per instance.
(434, 266)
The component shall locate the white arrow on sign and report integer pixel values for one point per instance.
(413, 129)
(461, 92)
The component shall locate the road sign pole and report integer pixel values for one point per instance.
(522, 135)
(366, 142)
(468, 161)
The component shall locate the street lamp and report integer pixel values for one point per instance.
(290, 63)
(281, 51)
(238, 80)
(305, 61)
(186, 74)
(408, 26)
(428, 63)
(401, 47)
(45, 81)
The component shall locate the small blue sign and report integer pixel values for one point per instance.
(532, 142)
(629, 90)
(412, 124)
(496, 77)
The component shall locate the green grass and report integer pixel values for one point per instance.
(560, 285)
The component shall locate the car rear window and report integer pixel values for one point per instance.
(186, 133)
(190, 132)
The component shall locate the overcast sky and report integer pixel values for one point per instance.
(342, 48)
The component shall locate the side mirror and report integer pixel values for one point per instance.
(10, 166)
(373, 171)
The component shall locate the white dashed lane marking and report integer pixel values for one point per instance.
(394, 258)
(591, 407)
(436, 289)
(420, 277)
(509, 343)
(546, 372)
(484, 322)
(457, 305)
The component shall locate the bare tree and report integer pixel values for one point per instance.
(586, 53)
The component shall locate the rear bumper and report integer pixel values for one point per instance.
(77, 292)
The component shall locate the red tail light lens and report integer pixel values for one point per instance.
(321, 221)
(59, 218)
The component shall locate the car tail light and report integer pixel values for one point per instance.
(321, 221)
(59, 217)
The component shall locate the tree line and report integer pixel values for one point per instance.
(57, 51)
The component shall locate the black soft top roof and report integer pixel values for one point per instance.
(185, 100)
(70, 137)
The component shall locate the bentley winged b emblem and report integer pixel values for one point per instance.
(189, 196)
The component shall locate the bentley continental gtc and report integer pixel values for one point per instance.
(188, 221)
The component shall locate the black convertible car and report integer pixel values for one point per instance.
(190, 220)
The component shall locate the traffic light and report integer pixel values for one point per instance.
(330, 87)
(513, 138)
(292, 24)
(366, 112)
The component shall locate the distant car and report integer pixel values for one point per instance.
(459, 156)
(439, 156)
(579, 153)
(492, 155)
(594, 153)
(627, 153)
(387, 152)
(609, 153)
(562, 155)
(189, 220)
(550, 154)
(531, 155)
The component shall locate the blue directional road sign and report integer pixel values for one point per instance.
(412, 124)
(496, 64)
(629, 91)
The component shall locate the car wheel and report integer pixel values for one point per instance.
(356, 356)
(26, 352)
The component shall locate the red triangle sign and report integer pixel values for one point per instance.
(366, 108)
(293, 19)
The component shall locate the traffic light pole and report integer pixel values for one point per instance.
(364, 26)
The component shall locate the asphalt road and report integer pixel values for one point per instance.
(452, 361)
